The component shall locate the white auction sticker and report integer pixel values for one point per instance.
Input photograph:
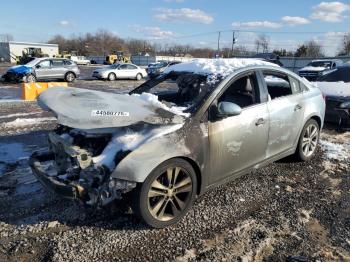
(108, 113)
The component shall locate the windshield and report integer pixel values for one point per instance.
(33, 62)
(114, 66)
(187, 90)
(336, 75)
(326, 64)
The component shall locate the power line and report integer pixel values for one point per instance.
(340, 34)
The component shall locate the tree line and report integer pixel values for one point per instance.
(104, 43)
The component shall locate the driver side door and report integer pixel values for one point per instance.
(43, 70)
(238, 142)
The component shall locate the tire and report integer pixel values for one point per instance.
(138, 77)
(88, 63)
(69, 77)
(112, 77)
(308, 141)
(158, 202)
(30, 78)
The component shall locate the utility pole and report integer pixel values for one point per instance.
(233, 42)
(219, 43)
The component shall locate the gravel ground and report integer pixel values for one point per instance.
(287, 210)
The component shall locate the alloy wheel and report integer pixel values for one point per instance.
(310, 139)
(169, 194)
(70, 77)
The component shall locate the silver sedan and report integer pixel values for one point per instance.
(120, 71)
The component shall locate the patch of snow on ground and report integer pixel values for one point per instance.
(22, 122)
(153, 99)
(18, 114)
(335, 151)
(220, 66)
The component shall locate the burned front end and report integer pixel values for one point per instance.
(68, 169)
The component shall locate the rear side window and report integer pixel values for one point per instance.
(279, 84)
(132, 67)
(67, 62)
(57, 63)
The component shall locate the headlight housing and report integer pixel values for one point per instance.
(345, 105)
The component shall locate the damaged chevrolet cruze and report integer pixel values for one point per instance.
(196, 126)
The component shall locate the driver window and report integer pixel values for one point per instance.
(243, 92)
(123, 67)
(45, 64)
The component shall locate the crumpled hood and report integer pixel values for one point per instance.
(88, 109)
(20, 69)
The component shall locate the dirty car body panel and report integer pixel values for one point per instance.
(105, 157)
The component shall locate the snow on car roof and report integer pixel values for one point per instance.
(219, 66)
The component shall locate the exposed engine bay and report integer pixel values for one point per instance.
(70, 162)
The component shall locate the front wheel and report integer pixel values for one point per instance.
(308, 141)
(30, 78)
(167, 194)
(112, 77)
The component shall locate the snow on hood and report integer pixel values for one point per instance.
(89, 109)
(220, 66)
(333, 88)
(313, 68)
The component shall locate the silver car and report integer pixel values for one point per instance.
(120, 71)
(219, 120)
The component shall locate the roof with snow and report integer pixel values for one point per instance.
(219, 66)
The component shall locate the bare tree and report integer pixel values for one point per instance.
(262, 44)
(345, 49)
(6, 37)
(314, 49)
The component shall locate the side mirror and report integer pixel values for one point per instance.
(37, 66)
(226, 109)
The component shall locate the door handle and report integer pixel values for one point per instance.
(297, 107)
(260, 122)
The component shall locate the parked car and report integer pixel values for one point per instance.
(335, 85)
(43, 69)
(120, 71)
(162, 147)
(80, 60)
(317, 68)
(269, 57)
(158, 68)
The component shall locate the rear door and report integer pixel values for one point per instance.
(58, 69)
(238, 142)
(286, 109)
(132, 71)
(123, 71)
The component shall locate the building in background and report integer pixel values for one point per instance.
(10, 51)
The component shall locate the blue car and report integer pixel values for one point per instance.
(43, 69)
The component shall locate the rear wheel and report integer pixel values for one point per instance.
(308, 141)
(112, 77)
(167, 194)
(69, 77)
(138, 77)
